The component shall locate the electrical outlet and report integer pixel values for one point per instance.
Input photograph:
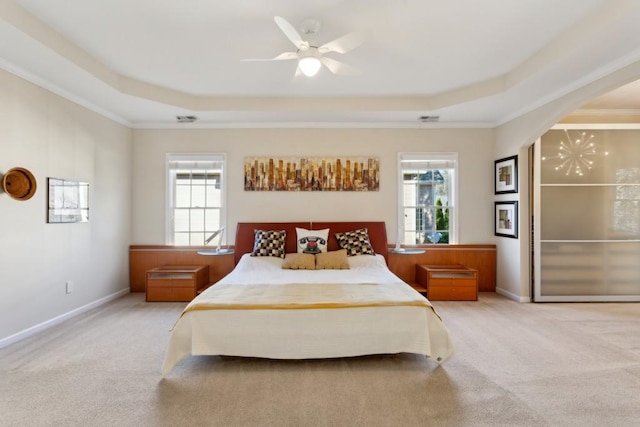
(69, 286)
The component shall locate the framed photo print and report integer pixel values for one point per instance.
(506, 175)
(506, 219)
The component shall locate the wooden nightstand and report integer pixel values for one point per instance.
(176, 283)
(448, 282)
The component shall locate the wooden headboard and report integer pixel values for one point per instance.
(245, 233)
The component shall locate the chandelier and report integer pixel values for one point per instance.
(576, 155)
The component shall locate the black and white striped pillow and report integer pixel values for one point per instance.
(269, 243)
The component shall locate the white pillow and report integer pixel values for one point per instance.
(367, 261)
(312, 241)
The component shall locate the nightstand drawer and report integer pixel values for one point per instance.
(453, 282)
(448, 282)
(452, 293)
(176, 283)
(170, 294)
(171, 283)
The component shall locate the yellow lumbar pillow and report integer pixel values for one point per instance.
(299, 262)
(334, 260)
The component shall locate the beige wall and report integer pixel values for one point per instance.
(475, 148)
(53, 137)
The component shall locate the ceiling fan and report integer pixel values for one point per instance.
(310, 55)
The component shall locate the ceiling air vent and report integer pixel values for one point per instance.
(186, 119)
(429, 119)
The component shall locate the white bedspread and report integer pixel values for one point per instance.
(262, 310)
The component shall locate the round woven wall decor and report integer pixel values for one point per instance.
(19, 183)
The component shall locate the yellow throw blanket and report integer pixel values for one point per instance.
(305, 296)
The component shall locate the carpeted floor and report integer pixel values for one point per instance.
(515, 365)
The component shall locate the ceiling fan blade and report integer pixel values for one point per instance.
(291, 33)
(281, 57)
(345, 43)
(337, 67)
(286, 55)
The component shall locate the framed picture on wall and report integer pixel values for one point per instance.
(506, 219)
(506, 175)
(68, 201)
(325, 173)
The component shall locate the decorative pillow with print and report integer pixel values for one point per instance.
(312, 241)
(269, 243)
(355, 242)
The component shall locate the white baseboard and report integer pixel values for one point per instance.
(512, 296)
(59, 319)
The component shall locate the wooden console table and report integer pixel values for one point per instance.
(448, 282)
(176, 283)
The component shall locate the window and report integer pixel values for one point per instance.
(195, 197)
(426, 206)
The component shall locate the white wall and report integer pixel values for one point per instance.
(475, 179)
(53, 137)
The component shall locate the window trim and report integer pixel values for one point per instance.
(453, 201)
(168, 208)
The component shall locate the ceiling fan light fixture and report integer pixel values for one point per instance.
(310, 55)
(309, 65)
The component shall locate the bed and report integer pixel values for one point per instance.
(263, 310)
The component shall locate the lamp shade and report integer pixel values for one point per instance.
(309, 65)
